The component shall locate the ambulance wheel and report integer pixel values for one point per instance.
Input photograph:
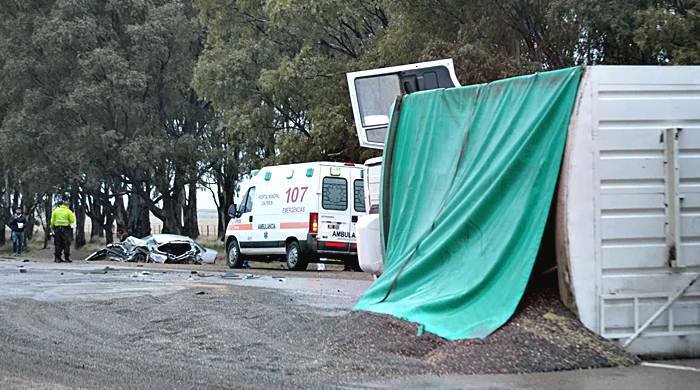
(233, 255)
(295, 260)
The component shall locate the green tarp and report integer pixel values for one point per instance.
(472, 172)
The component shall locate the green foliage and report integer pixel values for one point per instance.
(276, 68)
(102, 99)
(670, 32)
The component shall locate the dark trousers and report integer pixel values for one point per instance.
(61, 241)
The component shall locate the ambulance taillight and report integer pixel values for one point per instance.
(313, 223)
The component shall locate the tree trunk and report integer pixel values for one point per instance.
(47, 216)
(120, 214)
(191, 220)
(29, 205)
(220, 222)
(172, 210)
(168, 217)
(15, 201)
(95, 228)
(29, 230)
(3, 220)
(139, 223)
(226, 194)
(108, 227)
(80, 222)
(4, 212)
(101, 213)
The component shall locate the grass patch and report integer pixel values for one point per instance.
(211, 242)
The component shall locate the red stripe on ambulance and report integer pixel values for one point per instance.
(241, 226)
(294, 225)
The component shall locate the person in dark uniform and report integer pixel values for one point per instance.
(62, 221)
(17, 224)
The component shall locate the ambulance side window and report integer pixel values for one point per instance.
(335, 193)
(249, 200)
(359, 195)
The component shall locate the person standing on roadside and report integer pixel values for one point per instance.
(62, 220)
(17, 225)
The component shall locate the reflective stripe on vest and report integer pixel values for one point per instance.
(61, 217)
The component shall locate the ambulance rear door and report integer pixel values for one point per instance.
(335, 231)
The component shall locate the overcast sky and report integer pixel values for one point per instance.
(205, 200)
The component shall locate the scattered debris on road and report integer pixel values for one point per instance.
(101, 271)
(235, 276)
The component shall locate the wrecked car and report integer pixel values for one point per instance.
(158, 248)
(172, 248)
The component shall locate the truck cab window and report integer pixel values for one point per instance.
(375, 97)
(335, 193)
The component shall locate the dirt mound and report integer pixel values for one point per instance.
(542, 336)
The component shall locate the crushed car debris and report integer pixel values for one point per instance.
(158, 248)
(233, 275)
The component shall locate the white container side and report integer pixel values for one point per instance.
(628, 206)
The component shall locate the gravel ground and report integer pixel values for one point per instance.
(542, 336)
(224, 336)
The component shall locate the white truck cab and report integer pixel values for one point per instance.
(373, 92)
(297, 213)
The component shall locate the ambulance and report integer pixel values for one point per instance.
(297, 213)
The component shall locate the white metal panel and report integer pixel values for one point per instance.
(373, 183)
(631, 168)
(645, 280)
(626, 145)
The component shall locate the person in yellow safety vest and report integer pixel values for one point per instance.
(62, 222)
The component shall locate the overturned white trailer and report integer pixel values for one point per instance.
(628, 210)
(628, 203)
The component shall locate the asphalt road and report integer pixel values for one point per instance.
(666, 375)
(92, 325)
